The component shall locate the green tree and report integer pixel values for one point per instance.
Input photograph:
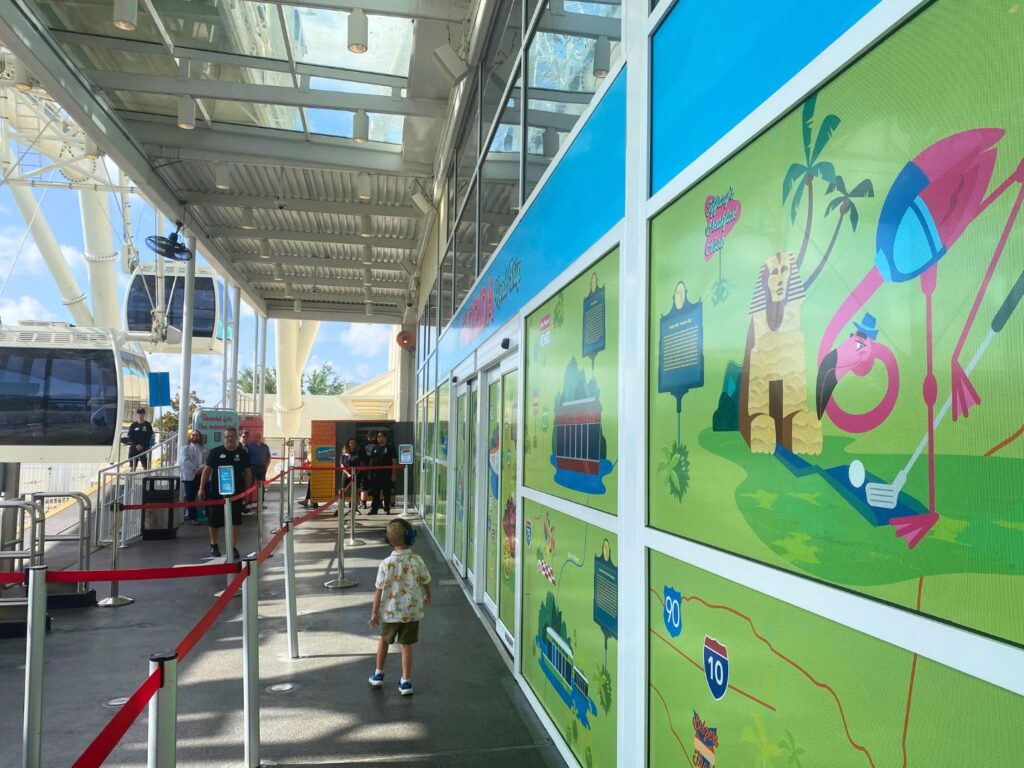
(758, 736)
(844, 201)
(789, 745)
(167, 423)
(245, 381)
(801, 176)
(323, 380)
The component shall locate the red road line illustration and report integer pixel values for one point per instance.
(795, 665)
(668, 714)
(1003, 443)
(910, 689)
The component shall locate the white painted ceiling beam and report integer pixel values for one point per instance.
(232, 59)
(305, 206)
(334, 282)
(313, 309)
(243, 259)
(312, 237)
(287, 96)
(440, 10)
(581, 25)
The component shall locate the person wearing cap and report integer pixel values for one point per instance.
(139, 439)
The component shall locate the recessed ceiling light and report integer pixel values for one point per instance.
(357, 31)
(223, 176)
(361, 127)
(364, 186)
(126, 14)
(186, 112)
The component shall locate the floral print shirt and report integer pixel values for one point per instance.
(400, 578)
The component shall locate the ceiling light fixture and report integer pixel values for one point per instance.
(602, 57)
(551, 142)
(223, 176)
(126, 14)
(186, 112)
(367, 277)
(297, 306)
(278, 274)
(448, 61)
(365, 225)
(357, 31)
(92, 151)
(264, 249)
(369, 309)
(363, 186)
(493, 233)
(367, 257)
(21, 77)
(361, 127)
(248, 219)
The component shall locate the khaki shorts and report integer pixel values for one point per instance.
(405, 633)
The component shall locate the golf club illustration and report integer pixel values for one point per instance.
(931, 203)
(885, 495)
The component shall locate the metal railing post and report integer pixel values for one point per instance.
(352, 540)
(405, 490)
(32, 733)
(282, 479)
(116, 599)
(163, 712)
(229, 535)
(341, 582)
(286, 501)
(251, 663)
(259, 515)
(289, 588)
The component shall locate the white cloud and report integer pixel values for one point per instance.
(30, 259)
(206, 376)
(366, 339)
(23, 308)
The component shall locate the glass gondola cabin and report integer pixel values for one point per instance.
(140, 298)
(67, 392)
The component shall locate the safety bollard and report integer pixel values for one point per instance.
(116, 599)
(163, 712)
(341, 582)
(32, 732)
(289, 589)
(251, 663)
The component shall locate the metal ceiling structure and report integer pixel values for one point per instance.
(301, 156)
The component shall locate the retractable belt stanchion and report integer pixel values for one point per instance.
(32, 733)
(283, 478)
(405, 490)
(352, 540)
(289, 587)
(116, 599)
(251, 663)
(229, 535)
(259, 515)
(341, 582)
(163, 712)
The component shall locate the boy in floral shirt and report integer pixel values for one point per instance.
(403, 589)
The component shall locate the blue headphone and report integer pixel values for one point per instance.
(410, 531)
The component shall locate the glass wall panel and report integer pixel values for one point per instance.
(447, 284)
(442, 421)
(430, 429)
(500, 60)
(466, 249)
(471, 440)
(499, 178)
(461, 475)
(509, 436)
(493, 489)
(467, 151)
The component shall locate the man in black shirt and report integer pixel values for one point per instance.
(139, 439)
(233, 455)
(382, 481)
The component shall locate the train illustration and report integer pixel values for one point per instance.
(568, 681)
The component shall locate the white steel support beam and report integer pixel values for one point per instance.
(244, 259)
(312, 237)
(342, 313)
(100, 257)
(187, 312)
(232, 59)
(265, 94)
(267, 146)
(304, 206)
(31, 42)
(335, 282)
(439, 10)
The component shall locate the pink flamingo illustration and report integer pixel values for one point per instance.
(929, 206)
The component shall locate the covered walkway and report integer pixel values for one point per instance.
(330, 716)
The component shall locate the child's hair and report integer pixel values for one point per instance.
(396, 533)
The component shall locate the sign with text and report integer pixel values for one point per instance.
(226, 481)
(405, 454)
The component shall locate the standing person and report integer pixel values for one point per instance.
(233, 455)
(351, 459)
(259, 458)
(139, 439)
(403, 589)
(190, 472)
(364, 478)
(382, 481)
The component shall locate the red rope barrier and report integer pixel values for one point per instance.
(12, 577)
(141, 574)
(112, 733)
(343, 468)
(271, 545)
(310, 515)
(218, 502)
(203, 625)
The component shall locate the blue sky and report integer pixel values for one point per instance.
(358, 351)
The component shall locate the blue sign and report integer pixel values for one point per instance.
(159, 389)
(673, 613)
(226, 481)
(593, 321)
(606, 596)
(716, 667)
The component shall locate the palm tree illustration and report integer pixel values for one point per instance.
(844, 201)
(789, 745)
(800, 176)
(758, 736)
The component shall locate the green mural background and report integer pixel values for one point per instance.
(803, 687)
(508, 508)
(570, 550)
(561, 367)
(440, 521)
(493, 489)
(788, 313)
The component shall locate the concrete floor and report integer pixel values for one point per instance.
(467, 709)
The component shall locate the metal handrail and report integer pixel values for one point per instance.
(110, 487)
(84, 536)
(33, 553)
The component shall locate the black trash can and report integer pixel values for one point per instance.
(160, 523)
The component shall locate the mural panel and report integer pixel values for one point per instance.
(740, 679)
(508, 508)
(570, 628)
(835, 331)
(571, 419)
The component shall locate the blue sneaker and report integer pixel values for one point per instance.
(377, 679)
(405, 687)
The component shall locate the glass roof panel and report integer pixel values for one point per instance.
(348, 86)
(335, 122)
(241, 26)
(320, 36)
(94, 19)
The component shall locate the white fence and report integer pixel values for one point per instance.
(53, 478)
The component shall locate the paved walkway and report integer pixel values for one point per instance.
(467, 709)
